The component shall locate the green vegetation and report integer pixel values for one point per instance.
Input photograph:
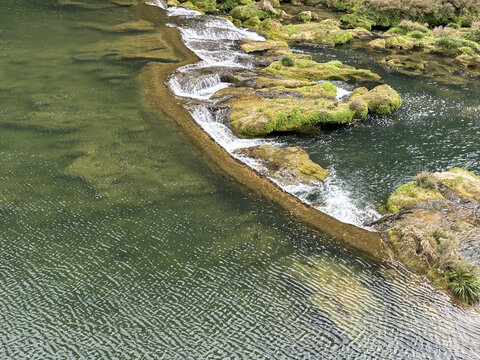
(307, 69)
(436, 255)
(288, 61)
(290, 165)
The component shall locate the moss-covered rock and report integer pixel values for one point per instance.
(261, 10)
(290, 165)
(260, 116)
(307, 69)
(410, 194)
(324, 32)
(383, 100)
(433, 214)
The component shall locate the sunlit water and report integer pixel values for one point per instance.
(119, 241)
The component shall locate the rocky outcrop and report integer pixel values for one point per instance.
(290, 165)
(292, 94)
(429, 218)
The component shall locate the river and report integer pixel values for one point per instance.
(121, 240)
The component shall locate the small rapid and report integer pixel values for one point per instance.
(216, 41)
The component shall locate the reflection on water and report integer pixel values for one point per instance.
(119, 241)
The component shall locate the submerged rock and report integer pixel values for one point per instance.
(290, 165)
(133, 47)
(130, 26)
(432, 215)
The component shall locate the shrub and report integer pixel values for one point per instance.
(416, 34)
(228, 5)
(449, 44)
(444, 31)
(388, 13)
(288, 61)
(426, 180)
(464, 282)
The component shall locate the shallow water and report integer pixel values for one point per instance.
(120, 241)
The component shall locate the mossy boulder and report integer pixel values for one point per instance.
(383, 100)
(260, 116)
(261, 10)
(307, 69)
(409, 195)
(324, 32)
(461, 182)
(290, 165)
(427, 187)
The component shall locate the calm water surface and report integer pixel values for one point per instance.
(119, 241)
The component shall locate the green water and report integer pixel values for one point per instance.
(120, 241)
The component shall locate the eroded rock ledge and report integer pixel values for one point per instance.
(428, 219)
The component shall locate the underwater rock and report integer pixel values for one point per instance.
(432, 215)
(82, 5)
(130, 26)
(46, 121)
(133, 47)
(290, 165)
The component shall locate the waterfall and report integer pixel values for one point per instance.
(215, 41)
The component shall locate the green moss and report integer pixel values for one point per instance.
(313, 71)
(409, 195)
(260, 116)
(356, 20)
(383, 100)
(416, 34)
(288, 61)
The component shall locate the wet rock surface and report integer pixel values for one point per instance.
(290, 165)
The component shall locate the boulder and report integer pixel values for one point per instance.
(290, 165)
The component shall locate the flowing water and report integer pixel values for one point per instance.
(120, 241)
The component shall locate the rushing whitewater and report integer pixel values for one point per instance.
(215, 40)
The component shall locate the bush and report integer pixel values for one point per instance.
(288, 61)
(388, 13)
(416, 34)
(464, 282)
(426, 180)
(449, 44)
(228, 5)
(444, 31)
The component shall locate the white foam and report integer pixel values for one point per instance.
(162, 4)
